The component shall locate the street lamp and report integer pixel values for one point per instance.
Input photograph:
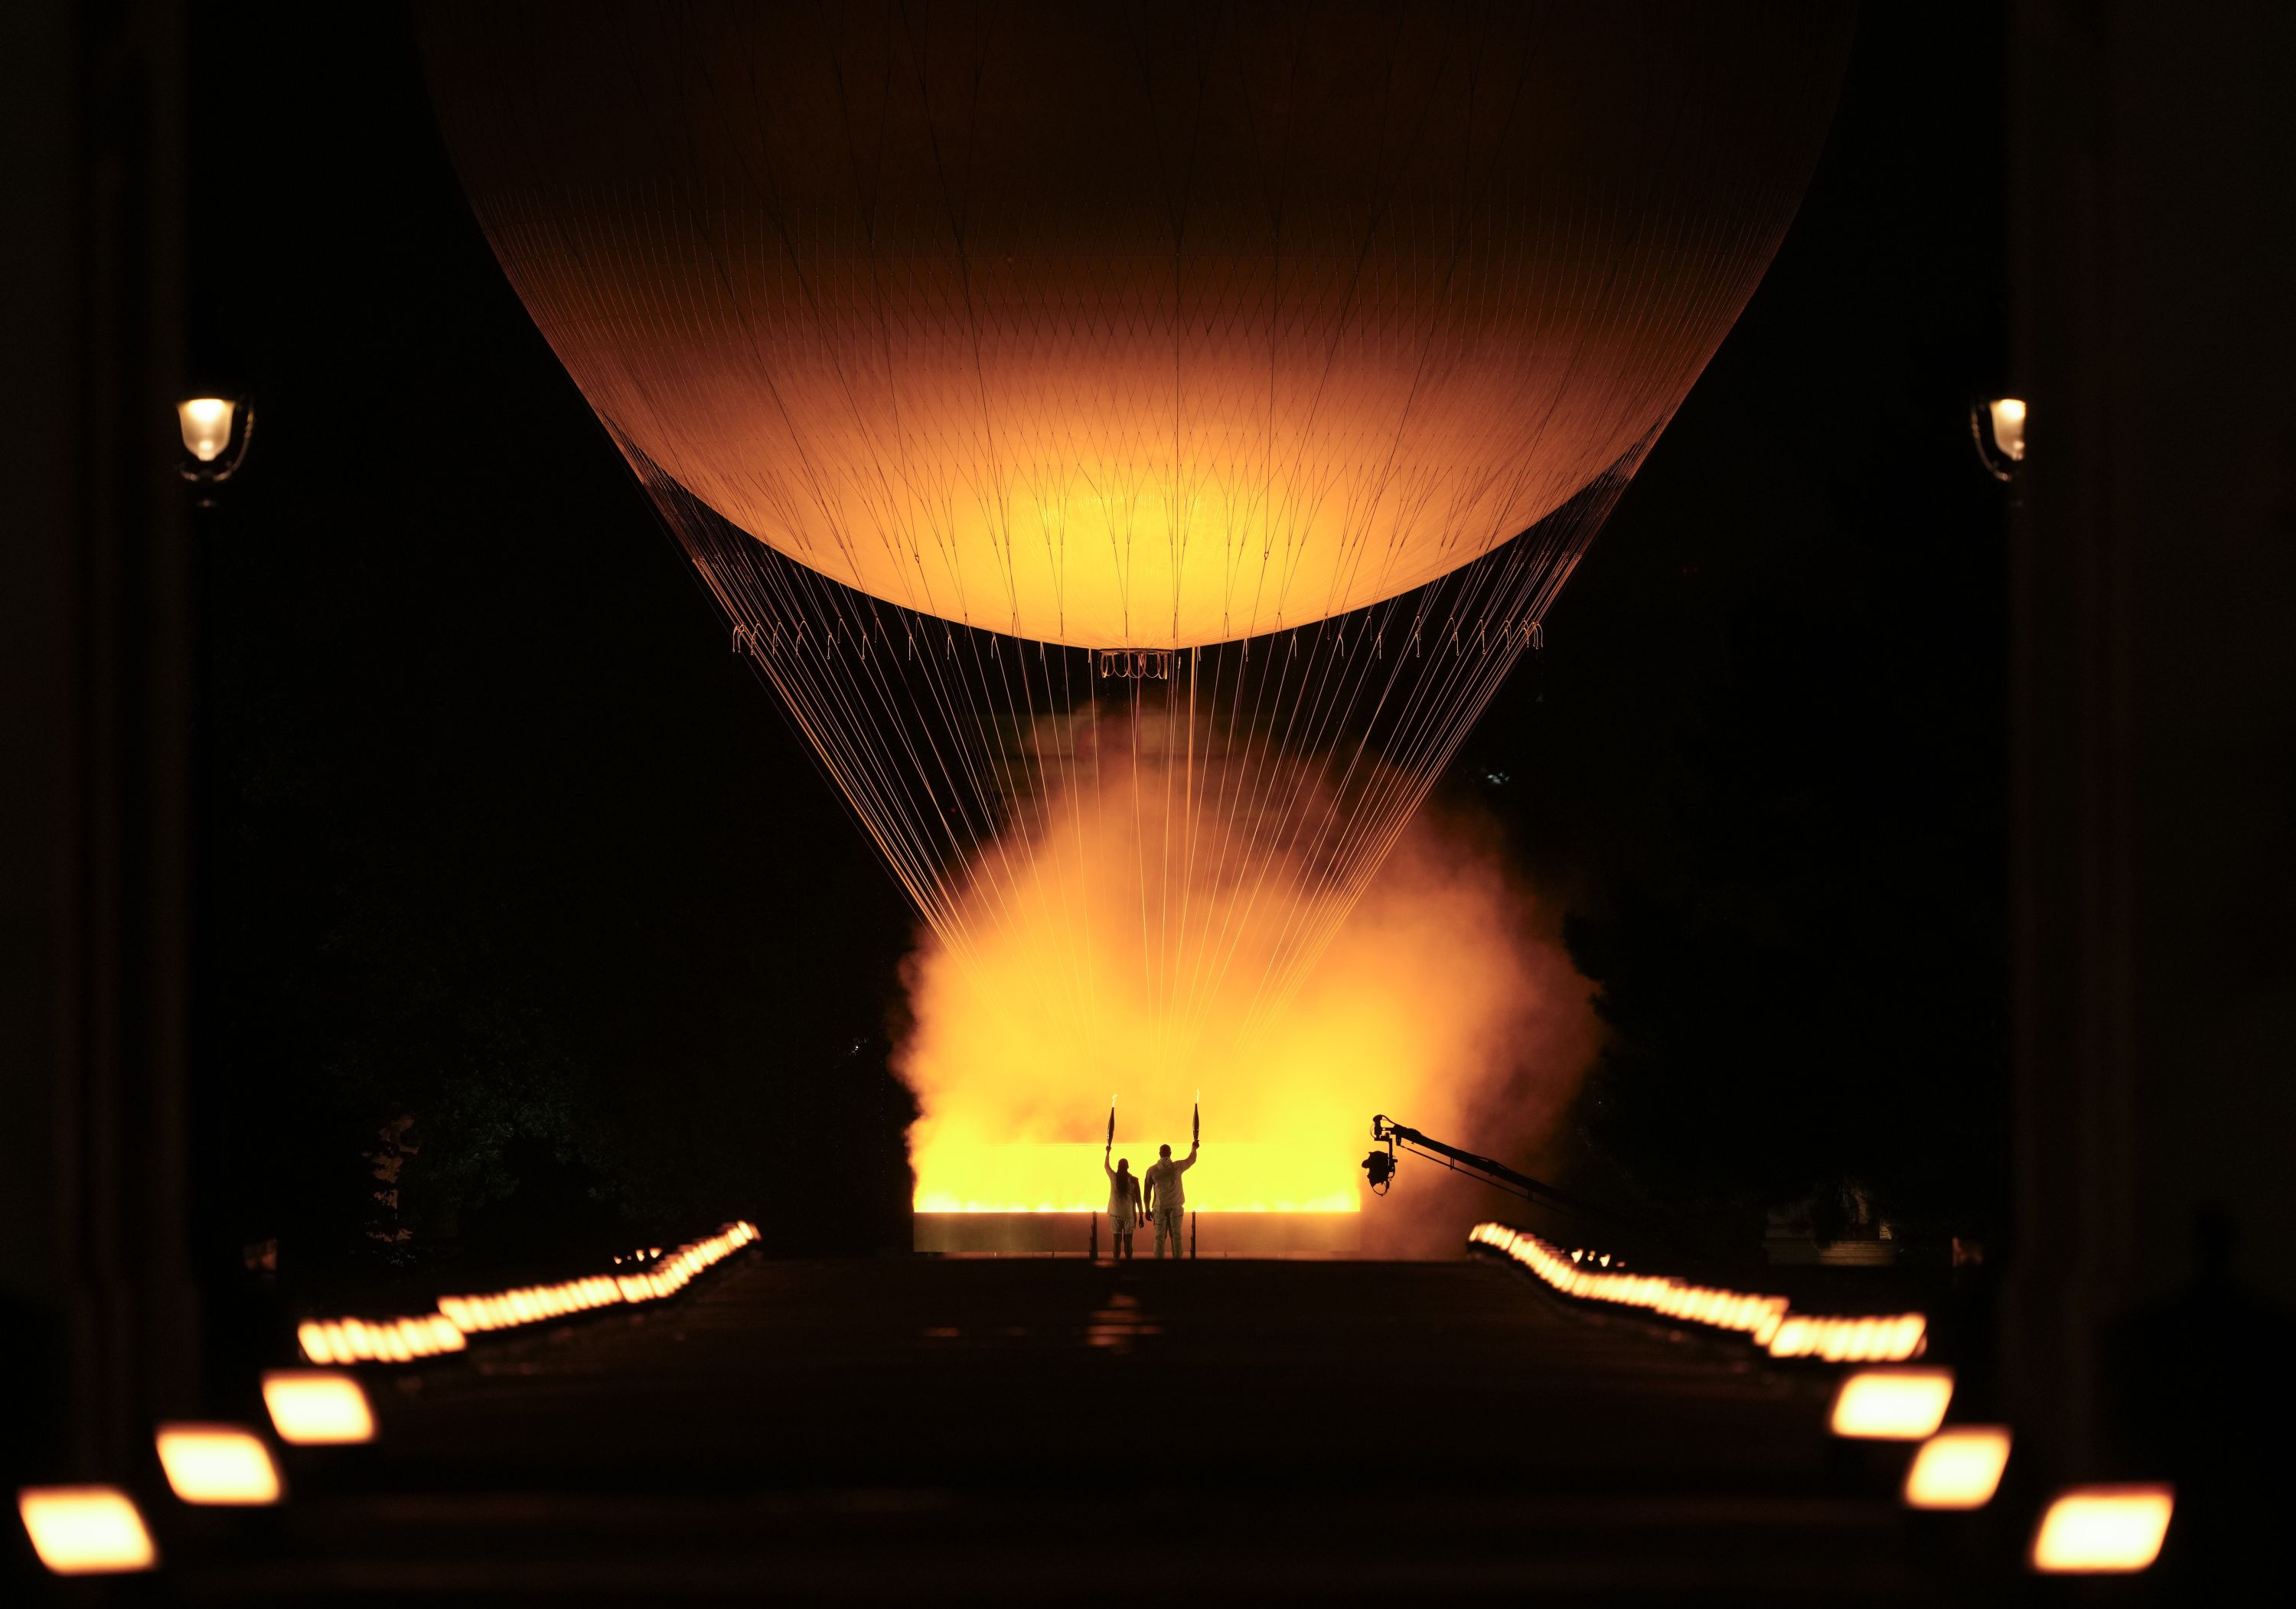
(1997, 426)
(206, 423)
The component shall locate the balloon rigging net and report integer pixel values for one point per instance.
(1130, 879)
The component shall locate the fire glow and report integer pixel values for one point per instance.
(1129, 937)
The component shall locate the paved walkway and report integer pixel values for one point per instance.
(1007, 1430)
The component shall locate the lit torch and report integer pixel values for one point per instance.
(1196, 1132)
(1112, 1122)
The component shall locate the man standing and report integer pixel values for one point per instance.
(1166, 1198)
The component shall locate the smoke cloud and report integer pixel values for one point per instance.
(1155, 927)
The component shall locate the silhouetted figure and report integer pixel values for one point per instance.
(1166, 1198)
(1123, 1202)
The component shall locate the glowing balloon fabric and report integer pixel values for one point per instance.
(1131, 326)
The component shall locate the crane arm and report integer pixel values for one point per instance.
(1396, 1136)
(1393, 1134)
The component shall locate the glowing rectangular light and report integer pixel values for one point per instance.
(2100, 1530)
(217, 1464)
(317, 1407)
(1892, 1404)
(1958, 1468)
(85, 1530)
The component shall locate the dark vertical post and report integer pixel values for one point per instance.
(95, 624)
(2154, 673)
(2072, 898)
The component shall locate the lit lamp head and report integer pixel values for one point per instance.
(206, 424)
(1997, 426)
(2009, 426)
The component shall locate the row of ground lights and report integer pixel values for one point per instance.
(98, 1530)
(2089, 1530)
(428, 1335)
(1767, 1320)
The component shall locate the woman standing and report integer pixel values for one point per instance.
(1123, 1200)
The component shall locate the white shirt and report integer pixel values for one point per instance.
(1162, 1183)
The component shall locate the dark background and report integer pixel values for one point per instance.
(502, 853)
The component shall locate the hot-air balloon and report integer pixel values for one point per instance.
(1134, 443)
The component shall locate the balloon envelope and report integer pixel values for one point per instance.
(1135, 327)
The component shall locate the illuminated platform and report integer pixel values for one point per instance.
(1070, 1234)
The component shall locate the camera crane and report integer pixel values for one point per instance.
(1380, 1167)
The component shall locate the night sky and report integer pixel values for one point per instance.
(497, 835)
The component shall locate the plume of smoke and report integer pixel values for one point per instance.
(1151, 927)
(1448, 937)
